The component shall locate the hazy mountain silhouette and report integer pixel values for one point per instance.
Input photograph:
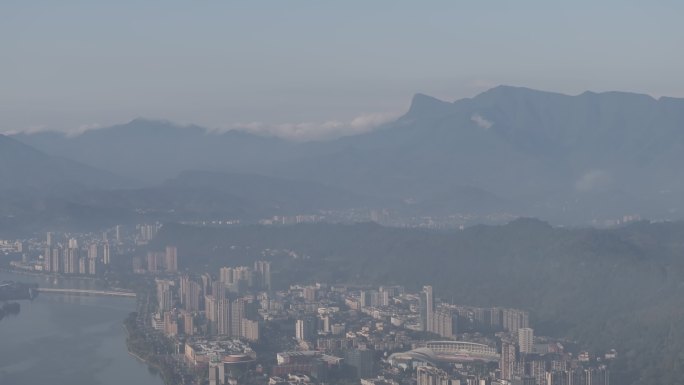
(506, 138)
(25, 169)
(524, 151)
(553, 155)
(153, 151)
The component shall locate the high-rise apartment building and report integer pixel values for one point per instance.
(514, 319)
(365, 298)
(191, 299)
(495, 318)
(164, 295)
(210, 310)
(71, 260)
(243, 277)
(263, 271)
(236, 317)
(93, 251)
(427, 303)
(218, 290)
(183, 287)
(507, 360)
(152, 262)
(226, 275)
(56, 263)
(444, 323)
(305, 328)
(106, 254)
(82, 265)
(309, 293)
(171, 259)
(206, 283)
(223, 312)
(383, 298)
(250, 330)
(47, 259)
(92, 266)
(188, 324)
(170, 324)
(526, 340)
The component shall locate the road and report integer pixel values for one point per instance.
(87, 292)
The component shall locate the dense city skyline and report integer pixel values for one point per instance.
(225, 326)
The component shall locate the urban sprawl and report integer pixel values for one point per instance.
(234, 326)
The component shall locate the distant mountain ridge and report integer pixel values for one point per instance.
(611, 152)
(153, 151)
(563, 158)
(23, 168)
(34, 188)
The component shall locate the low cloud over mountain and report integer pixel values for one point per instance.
(561, 157)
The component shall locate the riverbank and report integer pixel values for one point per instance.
(132, 353)
(33, 273)
(165, 372)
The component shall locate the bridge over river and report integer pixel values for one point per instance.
(86, 292)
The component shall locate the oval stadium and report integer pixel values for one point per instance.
(440, 352)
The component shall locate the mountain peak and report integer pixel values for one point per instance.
(507, 91)
(146, 126)
(144, 120)
(509, 88)
(424, 105)
(516, 91)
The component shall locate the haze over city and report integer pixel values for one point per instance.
(343, 193)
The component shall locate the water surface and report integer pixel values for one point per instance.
(69, 340)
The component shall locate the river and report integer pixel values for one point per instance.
(69, 340)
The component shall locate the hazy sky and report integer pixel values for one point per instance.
(307, 67)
